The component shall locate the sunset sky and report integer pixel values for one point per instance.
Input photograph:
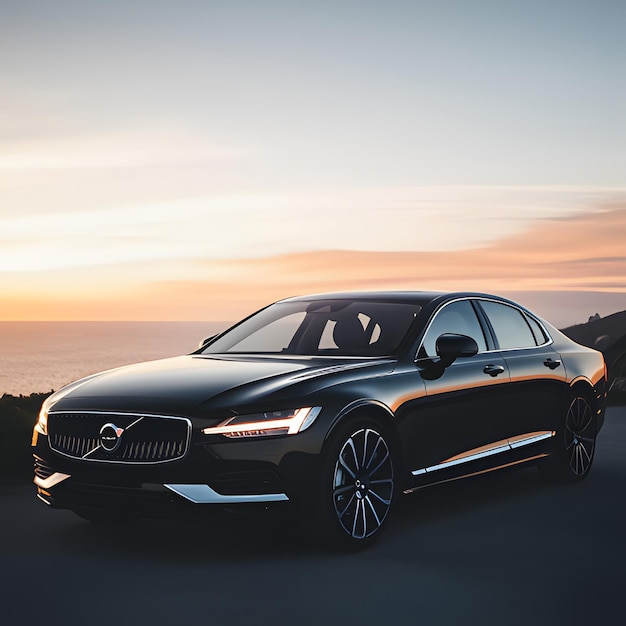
(195, 160)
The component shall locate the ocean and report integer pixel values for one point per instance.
(44, 356)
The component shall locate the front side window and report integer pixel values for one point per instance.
(458, 318)
(510, 326)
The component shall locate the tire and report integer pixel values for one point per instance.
(575, 442)
(357, 485)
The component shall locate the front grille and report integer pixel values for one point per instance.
(140, 438)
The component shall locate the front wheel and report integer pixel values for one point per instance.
(576, 443)
(357, 485)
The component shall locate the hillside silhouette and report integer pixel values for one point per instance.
(607, 334)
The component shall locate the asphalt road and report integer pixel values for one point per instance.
(500, 549)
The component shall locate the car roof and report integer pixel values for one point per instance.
(418, 297)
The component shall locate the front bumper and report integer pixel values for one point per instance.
(212, 474)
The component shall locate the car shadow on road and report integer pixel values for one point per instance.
(277, 534)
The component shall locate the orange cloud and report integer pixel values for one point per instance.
(582, 253)
(579, 253)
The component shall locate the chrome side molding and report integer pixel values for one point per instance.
(504, 445)
(495, 468)
(524, 440)
(203, 494)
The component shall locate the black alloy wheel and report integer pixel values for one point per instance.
(580, 436)
(576, 442)
(357, 484)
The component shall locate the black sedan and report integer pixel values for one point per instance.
(337, 403)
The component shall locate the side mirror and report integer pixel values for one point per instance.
(205, 341)
(451, 346)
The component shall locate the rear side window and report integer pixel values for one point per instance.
(539, 334)
(510, 326)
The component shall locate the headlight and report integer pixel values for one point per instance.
(42, 421)
(288, 422)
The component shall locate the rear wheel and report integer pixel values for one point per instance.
(576, 442)
(357, 485)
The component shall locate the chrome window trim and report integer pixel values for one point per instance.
(203, 494)
(497, 447)
(549, 342)
(140, 416)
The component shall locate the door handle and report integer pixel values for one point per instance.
(494, 370)
(552, 363)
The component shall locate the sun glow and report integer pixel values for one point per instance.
(579, 253)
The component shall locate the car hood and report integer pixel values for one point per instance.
(196, 383)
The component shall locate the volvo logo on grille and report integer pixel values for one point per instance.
(110, 437)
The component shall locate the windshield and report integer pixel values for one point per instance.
(321, 328)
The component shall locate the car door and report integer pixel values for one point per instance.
(538, 377)
(461, 408)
